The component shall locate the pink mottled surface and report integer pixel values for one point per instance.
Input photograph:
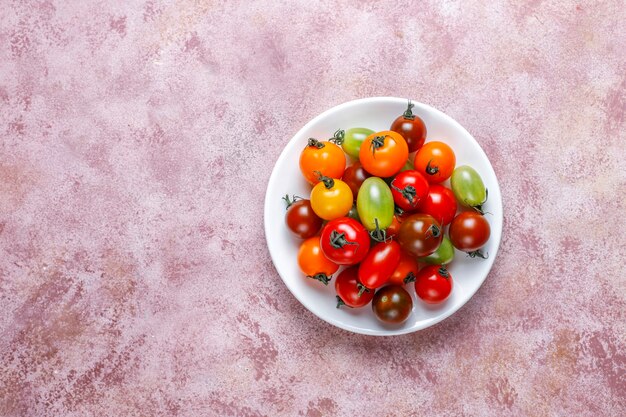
(137, 141)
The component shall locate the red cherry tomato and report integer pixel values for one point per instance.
(440, 203)
(420, 235)
(392, 304)
(379, 264)
(409, 190)
(436, 161)
(433, 284)
(350, 291)
(345, 241)
(354, 176)
(394, 228)
(301, 219)
(407, 269)
(411, 127)
(469, 231)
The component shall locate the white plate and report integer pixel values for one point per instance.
(376, 113)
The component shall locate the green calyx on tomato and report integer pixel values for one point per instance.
(477, 254)
(328, 182)
(323, 278)
(430, 170)
(410, 277)
(338, 137)
(362, 288)
(340, 302)
(315, 143)
(375, 204)
(338, 240)
(444, 272)
(377, 142)
(468, 188)
(408, 113)
(291, 201)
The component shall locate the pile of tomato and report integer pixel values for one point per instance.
(386, 217)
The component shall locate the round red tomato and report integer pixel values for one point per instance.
(354, 176)
(440, 203)
(409, 190)
(436, 161)
(345, 241)
(420, 234)
(379, 264)
(411, 127)
(392, 304)
(300, 217)
(433, 284)
(350, 291)
(406, 270)
(469, 231)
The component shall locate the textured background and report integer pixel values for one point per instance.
(137, 141)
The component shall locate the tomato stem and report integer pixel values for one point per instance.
(479, 207)
(444, 272)
(408, 193)
(315, 143)
(431, 170)
(477, 253)
(410, 277)
(328, 182)
(323, 278)
(338, 240)
(377, 142)
(434, 230)
(340, 302)
(377, 234)
(408, 113)
(338, 137)
(289, 202)
(362, 288)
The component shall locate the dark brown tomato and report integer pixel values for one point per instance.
(420, 234)
(392, 304)
(354, 176)
(301, 219)
(411, 127)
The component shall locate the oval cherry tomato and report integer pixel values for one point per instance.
(324, 157)
(435, 160)
(350, 291)
(411, 127)
(468, 187)
(409, 190)
(469, 231)
(313, 263)
(440, 203)
(407, 269)
(300, 217)
(375, 204)
(331, 199)
(354, 176)
(433, 284)
(352, 140)
(345, 241)
(392, 304)
(379, 264)
(383, 154)
(420, 234)
(442, 256)
(394, 228)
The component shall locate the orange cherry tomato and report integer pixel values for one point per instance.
(435, 161)
(324, 157)
(313, 263)
(331, 198)
(408, 265)
(384, 154)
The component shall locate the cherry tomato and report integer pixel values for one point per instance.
(433, 284)
(350, 291)
(409, 190)
(375, 204)
(300, 217)
(394, 228)
(407, 269)
(442, 256)
(324, 157)
(435, 160)
(313, 263)
(379, 264)
(345, 241)
(440, 203)
(331, 199)
(383, 154)
(354, 176)
(352, 140)
(468, 187)
(354, 213)
(411, 127)
(420, 234)
(392, 304)
(469, 231)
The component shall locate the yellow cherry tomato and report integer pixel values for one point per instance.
(331, 198)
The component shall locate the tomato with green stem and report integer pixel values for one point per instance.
(406, 270)
(375, 206)
(350, 292)
(411, 127)
(409, 190)
(379, 264)
(300, 217)
(352, 140)
(345, 241)
(420, 234)
(313, 263)
(436, 161)
(324, 157)
(468, 187)
(392, 304)
(331, 198)
(469, 231)
(383, 154)
(433, 284)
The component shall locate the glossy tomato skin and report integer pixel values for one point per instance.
(301, 219)
(375, 204)
(345, 241)
(379, 264)
(313, 263)
(324, 157)
(383, 154)
(409, 190)
(436, 161)
(433, 284)
(411, 127)
(392, 304)
(468, 187)
(407, 266)
(420, 234)
(394, 228)
(350, 291)
(354, 176)
(469, 231)
(442, 256)
(331, 199)
(353, 139)
(440, 203)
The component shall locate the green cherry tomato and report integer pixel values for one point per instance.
(353, 139)
(442, 256)
(375, 204)
(468, 187)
